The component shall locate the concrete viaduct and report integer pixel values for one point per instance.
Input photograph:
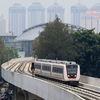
(29, 88)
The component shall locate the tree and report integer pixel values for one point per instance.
(3, 56)
(12, 51)
(54, 42)
(87, 46)
(2, 52)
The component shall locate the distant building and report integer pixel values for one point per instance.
(36, 14)
(97, 28)
(54, 10)
(76, 13)
(90, 20)
(17, 19)
(8, 39)
(96, 7)
(25, 41)
(2, 25)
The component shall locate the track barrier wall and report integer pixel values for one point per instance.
(35, 86)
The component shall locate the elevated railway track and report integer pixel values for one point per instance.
(24, 67)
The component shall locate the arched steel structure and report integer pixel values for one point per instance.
(74, 27)
(25, 40)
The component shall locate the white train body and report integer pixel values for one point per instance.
(65, 72)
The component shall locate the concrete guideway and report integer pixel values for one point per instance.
(36, 86)
(90, 82)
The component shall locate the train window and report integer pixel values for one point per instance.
(46, 68)
(57, 70)
(37, 66)
(54, 69)
(60, 70)
(71, 69)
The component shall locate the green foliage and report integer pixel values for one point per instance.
(87, 46)
(58, 41)
(54, 42)
(2, 55)
(2, 52)
(12, 52)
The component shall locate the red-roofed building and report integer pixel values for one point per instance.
(90, 13)
(98, 17)
(90, 20)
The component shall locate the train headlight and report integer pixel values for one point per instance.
(75, 75)
(68, 75)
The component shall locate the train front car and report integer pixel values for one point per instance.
(73, 74)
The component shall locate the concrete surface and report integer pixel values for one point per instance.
(90, 80)
(35, 86)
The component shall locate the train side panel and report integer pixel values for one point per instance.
(46, 69)
(57, 72)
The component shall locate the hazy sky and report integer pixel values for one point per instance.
(5, 4)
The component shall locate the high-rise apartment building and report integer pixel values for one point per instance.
(17, 19)
(54, 10)
(2, 25)
(96, 7)
(97, 28)
(90, 20)
(36, 14)
(76, 12)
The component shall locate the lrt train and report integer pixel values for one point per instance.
(65, 71)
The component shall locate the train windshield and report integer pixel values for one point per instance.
(71, 70)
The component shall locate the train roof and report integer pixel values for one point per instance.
(39, 62)
(56, 61)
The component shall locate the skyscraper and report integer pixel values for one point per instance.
(2, 25)
(96, 7)
(76, 12)
(36, 14)
(97, 28)
(90, 20)
(54, 10)
(17, 19)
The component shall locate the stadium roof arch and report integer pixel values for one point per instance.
(31, 33)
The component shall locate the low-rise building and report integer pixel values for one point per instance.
(8, 39)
